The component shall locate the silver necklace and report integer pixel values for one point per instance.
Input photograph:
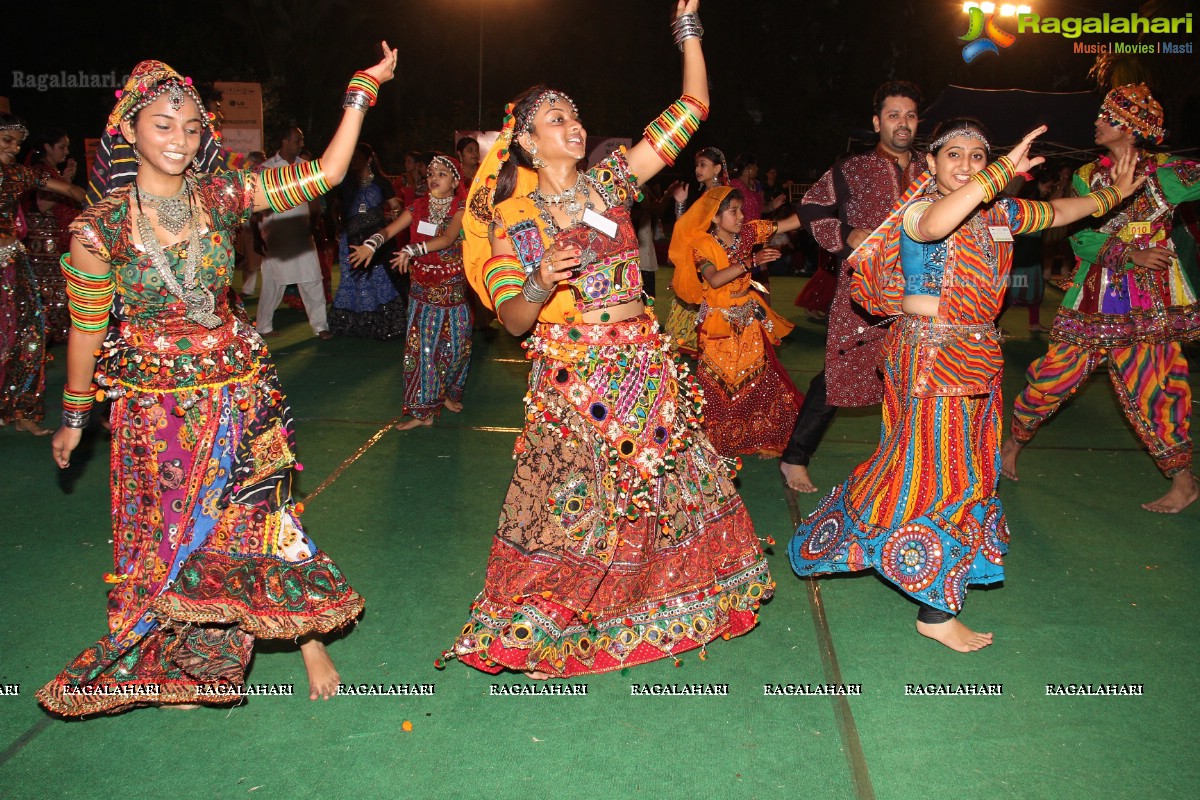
(173, 212)
(568, 200)
(198, 301)
(439, 208)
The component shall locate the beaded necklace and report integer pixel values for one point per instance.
(198, 301)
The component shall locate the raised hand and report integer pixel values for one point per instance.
(1019, 155)
(385, 70)
(1123, 173)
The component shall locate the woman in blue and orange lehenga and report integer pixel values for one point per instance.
(208, 548)
(622, 539)
(923, 511)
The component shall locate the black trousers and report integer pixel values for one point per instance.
(814, 419)
(931, 615)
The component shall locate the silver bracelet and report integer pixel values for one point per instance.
(680, 208)
(356, 99)
(416, 249)
(534, 293)
(687, 26)
(375, 242)
(76, 419)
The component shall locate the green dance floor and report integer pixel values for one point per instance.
(1098, 592)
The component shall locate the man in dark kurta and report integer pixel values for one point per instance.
(841, 209)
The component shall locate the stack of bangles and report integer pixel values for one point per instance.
(289, 186)
(1106, 199)
(994, 177)
(77, 408)
(375, 242)
(362, 92)
(673, 128)
(534, 293)
(416, 249)
(686, 26)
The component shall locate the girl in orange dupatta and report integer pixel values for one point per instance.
(750, 403)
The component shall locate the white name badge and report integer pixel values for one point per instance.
(426, 228)
(600, 223)
(1000, 233)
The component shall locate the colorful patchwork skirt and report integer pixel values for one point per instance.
(209, 553)
(923, 511)
(622, 539)
(437, 350)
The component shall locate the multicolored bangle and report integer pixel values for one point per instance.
(503, 278)
(365, 83)
(674, 128)
(288, 187)
(77, 408)
(1106, 199)
(994, 177)
(89, 297)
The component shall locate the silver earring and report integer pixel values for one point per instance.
(137, 157)
(538, 163)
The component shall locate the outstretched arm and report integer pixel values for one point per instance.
(361, 254)
(942, 216)
(60, 186)
(670, 133)
(448, 237)
(285, 187)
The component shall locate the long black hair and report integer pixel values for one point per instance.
(506, 179)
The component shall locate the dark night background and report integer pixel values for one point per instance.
(791, 80)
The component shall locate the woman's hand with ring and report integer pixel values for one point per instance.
(556, 266)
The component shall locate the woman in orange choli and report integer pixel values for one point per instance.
(750, 403)
(622, 539)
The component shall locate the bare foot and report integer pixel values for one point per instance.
(796, 477)
(537, 675)
(413, 422)
(1008, 458)
(955, 635)
(323, 680)
(1182, 494)
(453, 405)
(1038, 328)
(30, 426)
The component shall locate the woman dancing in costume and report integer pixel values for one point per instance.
(437, 350)
(711, 172)
(622, 540)
(367, 305)
(923, 510)
(48, 215)
(750, 403)
(208, 547)
(22, 315)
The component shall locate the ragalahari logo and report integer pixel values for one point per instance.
(983, 34)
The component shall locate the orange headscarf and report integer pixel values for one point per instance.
(690, 236)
